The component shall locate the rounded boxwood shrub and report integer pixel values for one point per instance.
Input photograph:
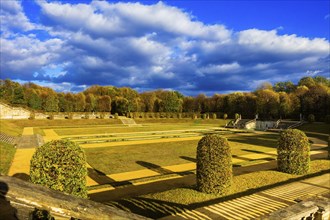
(293, 152)
(311, 118)
(60, 165)
(214, 167)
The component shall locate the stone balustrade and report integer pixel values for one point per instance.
(19, 198)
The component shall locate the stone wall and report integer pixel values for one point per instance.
(317, 208)
(19, 198)
(8, 112)
(264, 125)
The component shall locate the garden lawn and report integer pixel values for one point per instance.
(316, 130)
(124, 129)
(9, 127)
(116, 159)
(243, 185)
(7, 153)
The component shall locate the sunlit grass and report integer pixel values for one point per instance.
(242, 184)
(117, 159)
(7, 153)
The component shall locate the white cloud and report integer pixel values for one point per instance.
(13, 17)
(150, 46)
(223, 68)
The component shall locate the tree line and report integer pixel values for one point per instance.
(311, 95)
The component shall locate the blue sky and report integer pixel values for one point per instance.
(189, 46)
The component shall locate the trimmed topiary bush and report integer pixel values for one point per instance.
(60, 165)
(214, 167)
(293, 152)
(311, 118)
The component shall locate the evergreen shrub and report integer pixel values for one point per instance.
(60, 165)
(293, 152)
(214, 166)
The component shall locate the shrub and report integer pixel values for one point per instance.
(50, 116)
(214, 167)
(60, 165)
(214, 116)
(293, 152)
(225, 116)
(32, 115)
(70, 115)
(311, 118)
(237, 116)
(327, 119)
(116, 116)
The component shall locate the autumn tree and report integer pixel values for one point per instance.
(103, 104)
(267, 103)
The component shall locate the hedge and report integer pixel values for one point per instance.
(60, 165)
(293, 152)
(214, 166)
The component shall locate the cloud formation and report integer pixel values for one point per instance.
(148, 47)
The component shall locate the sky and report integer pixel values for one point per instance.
(191, 46)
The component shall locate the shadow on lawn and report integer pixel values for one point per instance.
(102, 179)
(189, 159)
(154, 167)
(259, 152)
(161, 170)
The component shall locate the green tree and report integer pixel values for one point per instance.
(285, 105)
(267, 103)
(287, 87)
(170, 102)
(79, 102)
(307, 81)
(90, 102)
(33, 99)
(49, 101)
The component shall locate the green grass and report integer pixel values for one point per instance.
(119, 159)
(316, 130)
(10, 127)
(218, 122)
(15, 127)
(124, 129)
(248, 183)
(126, 158)
(321, 128)
(7, 153)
